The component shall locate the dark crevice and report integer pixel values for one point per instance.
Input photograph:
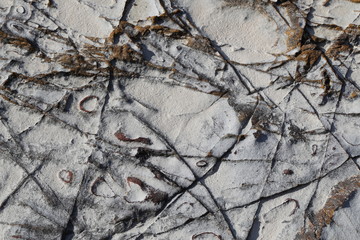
(254, 231)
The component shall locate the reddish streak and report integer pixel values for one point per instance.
(17, 236)
(122, 137)
(137, 182)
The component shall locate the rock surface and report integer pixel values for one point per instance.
(179, 119)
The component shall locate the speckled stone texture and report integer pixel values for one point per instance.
(179, 119)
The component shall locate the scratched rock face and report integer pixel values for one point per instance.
(159, 119)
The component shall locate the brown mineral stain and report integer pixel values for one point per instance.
(353, 95)
(338, 196)
(294, 37)
(16, 41)
(309, 54)
(201, 43)
(344, 43)
(335, 50)
(126, 53)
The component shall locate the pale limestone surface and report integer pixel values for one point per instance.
(179, 119)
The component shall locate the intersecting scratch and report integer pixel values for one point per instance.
(179, 119)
